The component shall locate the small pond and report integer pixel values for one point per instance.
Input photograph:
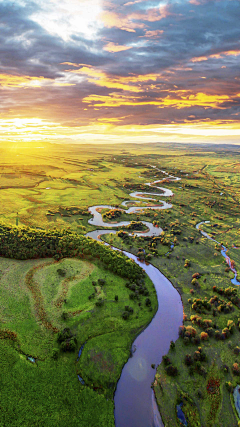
(181, 415)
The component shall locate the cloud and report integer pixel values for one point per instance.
(117, 20)
(141, 63)
(112, 47)
(153, 34)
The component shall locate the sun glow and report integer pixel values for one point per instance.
(65, 18)
(113, 130)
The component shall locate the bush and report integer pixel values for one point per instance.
(204, 336)
(196, 340)
(196, 276)
(236, 350)
(225, 369)
(188, 360)
(197, 355)
(236, 369)
(166, 360)
(148, 302)
(116, 297)
(172, 370)
(172, 345)
(99, 302)
(125, 315)
(61, 272)
(64, 315)
(68, 345)
(64, 335)
(226, 332)
(229, 386)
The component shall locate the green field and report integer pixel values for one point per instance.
(51, 188)
(40, 298)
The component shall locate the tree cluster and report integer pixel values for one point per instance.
(26, 243)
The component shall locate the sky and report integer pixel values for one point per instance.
(81, 71)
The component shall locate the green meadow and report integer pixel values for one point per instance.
(48, 391)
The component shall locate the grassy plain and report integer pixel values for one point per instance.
(52, 186)
(48, 392)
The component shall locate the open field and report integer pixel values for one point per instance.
(51, 188)
(40, 298)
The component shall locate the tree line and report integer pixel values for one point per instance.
(27, 243)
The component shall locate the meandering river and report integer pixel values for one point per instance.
(135, 404)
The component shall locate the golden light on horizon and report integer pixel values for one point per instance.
(111, 130)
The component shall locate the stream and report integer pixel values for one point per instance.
(223, 252)
(135, 404)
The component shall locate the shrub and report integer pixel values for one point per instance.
(203, 356)
(116, 297)
(166, 360)
(204, 336)
(64, 335)
(210, 332)
(64, 315)
(172, 345)
(229, 386)
(225, 369)
(188, 360)
(61, 272)
(196, 340)
(125, 315)
(68, 345)
(197, 355)
(99, 302)
(226, 332)
(196, 276)
(172, 370)
(191, 331)
(231, 326)
(148, 302)
(236, 350)
(236, 369)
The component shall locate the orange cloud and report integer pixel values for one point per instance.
(112, 47)
(130, 83)
(216, 55)
(112, 19)
(190, 100)
(11, 81)
(153, 34)
(152, 15)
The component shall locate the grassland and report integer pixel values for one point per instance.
(40, 298)
(51, 188)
